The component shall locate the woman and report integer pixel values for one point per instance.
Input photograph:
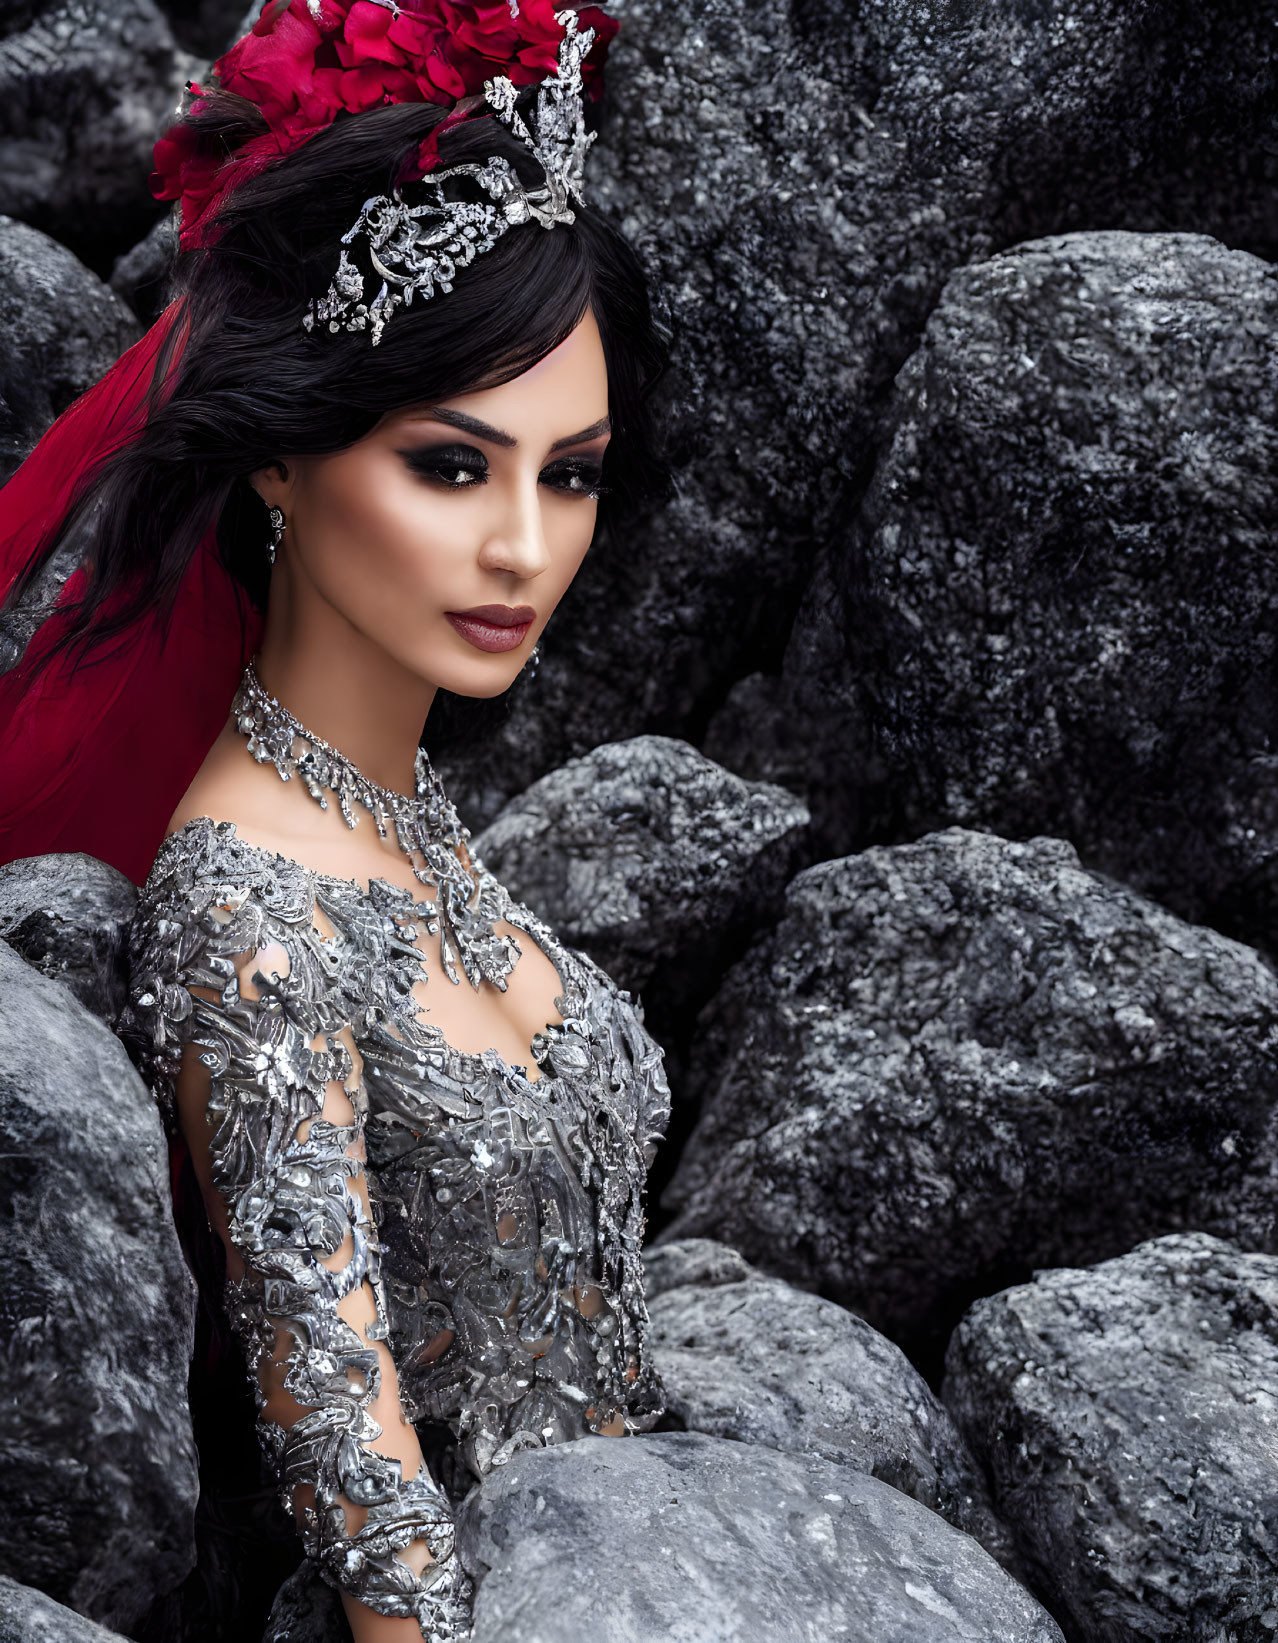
(387, 408)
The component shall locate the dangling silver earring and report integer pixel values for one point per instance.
(276, 517)
(529, 669)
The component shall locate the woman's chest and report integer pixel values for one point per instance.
(474, 1128)
(451, 964)
(510, 1218)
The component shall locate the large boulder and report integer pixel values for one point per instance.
(29, 1616)
(745, 1356)
(140, 276)
(801, 180)
(210, 26)
(1055, 610)
(60, 329)
(68, 915)
(306, 1610)
(679, 1535)
(86, 86)
(96, 1446)
(957, 1060)
(1125, 1414)
(653, 859)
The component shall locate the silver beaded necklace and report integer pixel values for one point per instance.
(467, 898)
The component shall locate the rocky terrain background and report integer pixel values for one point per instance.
(915, 767)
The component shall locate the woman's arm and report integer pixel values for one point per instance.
(280, 1157)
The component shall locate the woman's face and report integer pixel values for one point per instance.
(487, 499)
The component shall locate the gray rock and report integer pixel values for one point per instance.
(801, 180)
(28, 1616)
(68, 915)
(210, 26)
(1055, 611)
(98, 1320)
(675, 1535)
(18, 624)
(1126, 1415)
(651, 858)
(685, 1261)
(960, 1059)
(753, 1358)
(306, 1610)
(140, 277)
(86, 86)
(60, 329)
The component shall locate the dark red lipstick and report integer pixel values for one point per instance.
(493, 627)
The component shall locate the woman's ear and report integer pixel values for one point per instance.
(274, 484)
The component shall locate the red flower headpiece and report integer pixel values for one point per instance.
(307, 61)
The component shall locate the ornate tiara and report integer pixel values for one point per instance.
(416, 250)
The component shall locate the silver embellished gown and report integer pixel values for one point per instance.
(492, 1194)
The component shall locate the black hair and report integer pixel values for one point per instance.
(252, 384)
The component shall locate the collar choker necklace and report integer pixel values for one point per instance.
(467, 899)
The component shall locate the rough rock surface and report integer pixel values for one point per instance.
(96, 1328)
(1126, 1415)
(209, 26)
(675, 1535)
(306, 1610)
(140, 277)
(28, 1616)
(68, 914)
(750, 1357)
(801, 180)
(60, 329)
(85, 88)
(1026, 627)
(960, 1059)
(651, 858)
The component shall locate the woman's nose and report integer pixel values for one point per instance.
(517, 537)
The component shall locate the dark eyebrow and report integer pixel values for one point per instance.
(603, 426)
(497, 436)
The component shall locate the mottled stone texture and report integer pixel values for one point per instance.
(60, 329)
(68, 916)
(306, 1611)
(85, 88)
(652, 858)
(676, 1535)
(95, 1437)
(209, 26)
(962, 1058)
(802, 180)
(750, 1357)
(1126, 1414)
(28, 1616)
(140, 277)
(1055, 610)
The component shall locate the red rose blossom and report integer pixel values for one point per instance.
(302, 70)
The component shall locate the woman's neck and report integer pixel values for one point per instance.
(361, 701)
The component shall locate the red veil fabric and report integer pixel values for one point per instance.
(95, 757)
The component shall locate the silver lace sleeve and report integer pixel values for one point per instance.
(278, 1050)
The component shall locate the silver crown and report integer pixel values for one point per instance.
(418, 249)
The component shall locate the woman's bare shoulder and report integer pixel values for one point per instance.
(231, 786)
(283, 819)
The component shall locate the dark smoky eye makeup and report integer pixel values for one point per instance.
(457, 467)
(578, 475)
(453, 465)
